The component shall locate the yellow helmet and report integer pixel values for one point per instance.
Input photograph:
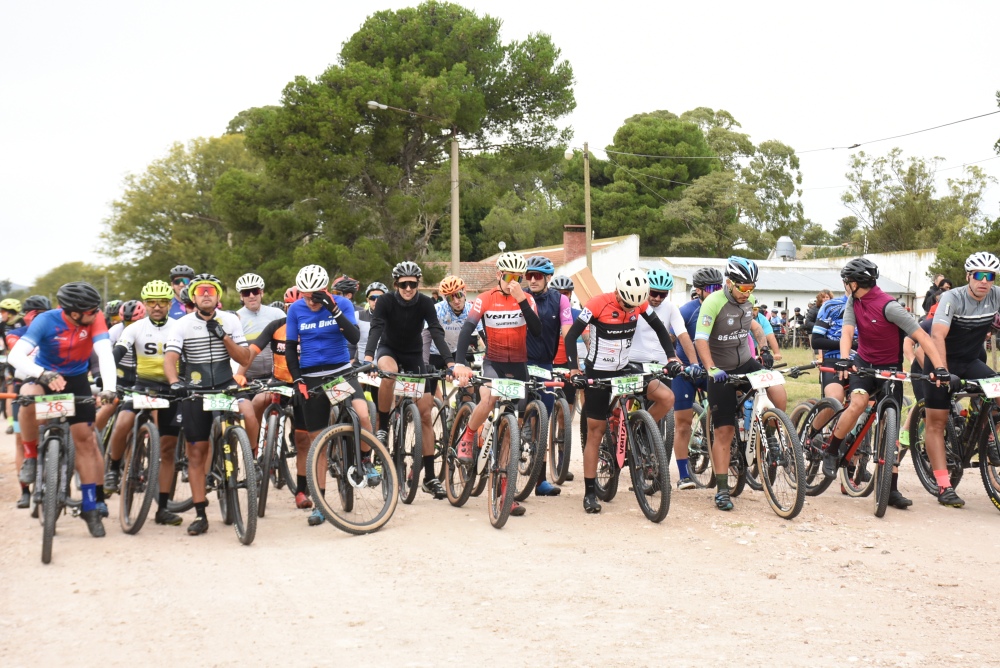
(11, 305)
(157, 290)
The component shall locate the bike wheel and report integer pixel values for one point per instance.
(285, 469)
(606, 481)
(409, 451)
(813, 446)
(918, 451)
(179, 499)
(50, 496)
(752, 474)
(700, 449)
(649, 466)
(140, 477)
(270, 425)
(459, 478)
(737, 466)
(502, 473)
(241, 483)
(989, 457)
(442, 432)
(363, 503)
(885, 457)
(560, 441)
(779, 459)
(531, 448)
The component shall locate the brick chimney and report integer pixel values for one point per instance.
(574, 241)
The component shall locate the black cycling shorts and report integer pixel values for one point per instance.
(313, 414)
(940, 397)
(597, 400)
(406, 363)
(78, 386)
(197, 423)
(167, 419)
(722, 396)
(868, 384)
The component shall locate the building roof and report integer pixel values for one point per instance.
(558, 253)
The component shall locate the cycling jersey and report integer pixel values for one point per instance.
(611, 330)
(726, 326)
(764, 324)
(10, 338)
(321, 342)
(254, 323)
(969, 321)
(126, 366)
(177, 310)
(364, 326)
(398, 325)
(451, 322)
(689, 315)
(560, 357)
(645, 346)
(205, 357)
(505, 325)
(881, 323)
(63, 346)
(554, 312)
(146, 343)
(274, 338)
(829, 325)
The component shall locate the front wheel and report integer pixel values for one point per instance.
(502, 472)
(700, 448)
(814, 440)
(649, 466)
(885, 456)
(266, 455)
(918, 451)
(989, 456)
(608, 473)
(241, 483)
(560, 441)
(779, 460)
(179, 497)
(408, 444)
(459, 477)
(50, 497)
(140, 476)
(531, 448)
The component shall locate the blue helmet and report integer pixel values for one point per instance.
(541, 264)
(741, 270)
(660, 279)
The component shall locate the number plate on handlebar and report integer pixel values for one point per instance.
(508, 388)
(539, 372)
(652, 367)
(626, 385)
(990, 387)
(369, 379)
(337, 390)
(55, 406)
(765, 378)
(218, 402)
(409, 387)
(146, 402)
(283, 390)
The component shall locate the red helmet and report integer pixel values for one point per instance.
(132, 310)
(292, 294)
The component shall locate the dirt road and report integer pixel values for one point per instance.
(439, 585)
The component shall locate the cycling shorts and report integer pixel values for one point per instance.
(722, 396)
(78, 386)
(940, 397)
(597, 400)
(313, 414)
(868, 384)
(685, 392)
(405, 362)
(197, 423)
(167, 419)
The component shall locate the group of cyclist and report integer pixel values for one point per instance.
(176, 340)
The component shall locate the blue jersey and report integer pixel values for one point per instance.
(63, 346)
(830, 322)
(321, 343)
(689, 312)
(764, 324)
(177, 309)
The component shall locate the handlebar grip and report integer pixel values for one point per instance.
(553, 383)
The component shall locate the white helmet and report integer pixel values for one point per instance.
(312, 278)
(249, 281)
(512, 262)
(982, 261)
(632, 287)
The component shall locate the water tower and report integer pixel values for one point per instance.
(785, 249)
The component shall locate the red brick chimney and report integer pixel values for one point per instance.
(574, 241)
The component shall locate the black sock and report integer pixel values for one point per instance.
(895, 481)
(100, 493)
(590, 485)
(24, 489)
(835, 443)
(161, 500)
(429, 467)
(383, 421)
(300, 484)
(199, 509)
(116, 464)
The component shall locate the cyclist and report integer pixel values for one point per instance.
(508, 315)
(65, 337)
(347, 287)
(112, 313)
(10, 315)
(372, 293)
(180, 277)
(205, 341)
(129, 312)
(565, 286)
(146, 342)
(254, 317)
(399, 347)
(452, 312)
(961, 323)
(725, 323)
(881, 323)
(185, 299)
(705, 281)
(613, 318)
(769, 337)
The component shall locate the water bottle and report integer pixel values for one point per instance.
(747, 414)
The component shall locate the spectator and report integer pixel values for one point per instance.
(931, 291)
(821, 297)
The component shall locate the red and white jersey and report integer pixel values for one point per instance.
(504, 325)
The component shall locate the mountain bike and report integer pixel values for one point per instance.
(366, 483)
(140, 462)
(276, 444)
(560, 440)
(534, 428)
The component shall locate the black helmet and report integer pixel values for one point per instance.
(36, 303)
(706, 276)
(181, 270)
(346, 284)
(78, 297)
(860, 270)
(185, 297)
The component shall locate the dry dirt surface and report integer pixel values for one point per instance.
(438, 585)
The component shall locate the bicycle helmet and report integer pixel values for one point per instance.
(157, 290)
(10, 305)
(982, 261)
(741, 270)
(375, 286)
(36, 303)
(185, 297)
(249, 282)
(450, 285)
(541, 264)
(561, 283)
(861, 271)
(346, 285)
(660, 279)
(132, 310)
(406, 268)
(111, 309)
(292, 294)
(204, 278)
(706, 276)
(78, 297)
(512, 262)
(632, 287)
(312, 278)
(278, 305)
(181, 271)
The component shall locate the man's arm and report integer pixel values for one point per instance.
(170, 359)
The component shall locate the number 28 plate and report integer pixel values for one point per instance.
(54, 406)
(991, 387)
(765, 378)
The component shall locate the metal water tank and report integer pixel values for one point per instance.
(785, 248)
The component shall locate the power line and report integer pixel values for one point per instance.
(946, 169)
(639, 181)
(906, 134)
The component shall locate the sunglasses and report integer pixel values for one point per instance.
(152, 303)
(93, 311)
(709, 289)
(407, 285)
(373, 298)
(984, 275)
(745, 288)
(181, 281)
(251, 291)
(456, 296)
(507, 277)
(203, 290)
(535, 276)
(657, 294)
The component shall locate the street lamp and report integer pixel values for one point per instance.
(455, 246)
(586, 195)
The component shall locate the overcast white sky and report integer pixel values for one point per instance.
(93, 91)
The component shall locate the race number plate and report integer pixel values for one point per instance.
(54, 406)
(626, 385)
(765, 378)
(560, 370)
(283, 390)
(991, 387)
(218, 402)
(508, 388)
(409, 387)
(652, 367)
(369, 379)
(539, 372)
(143, 401)
(337, 390)
(477, 359)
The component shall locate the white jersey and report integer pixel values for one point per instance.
(205, 357)
(645, 346)
(147, 344)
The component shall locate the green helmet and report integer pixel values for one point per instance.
(11, 305)
(157, 290)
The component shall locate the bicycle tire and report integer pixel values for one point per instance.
(241, 485)
(442, 433)
(749, 446)
(737, 468)
(459, 478)
(178, 486)
(666, 428)
(860, 482)
(532, 433)
(269, 422)
(989, 457)
(408, 455)
(812, 449)
(608, 473)
(337, 443)
(50, 497)
(560, 443)
(918, 451)
(649, 466)
(885, 459)
(287, 452)
(502, 477)
(700, 448)
(140, 476)
(788, 468)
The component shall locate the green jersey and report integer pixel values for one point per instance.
(726, 326)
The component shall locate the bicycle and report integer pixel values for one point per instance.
(140, 463)
(367, 501)
(560, 441)
(276, 443)
(534, 431)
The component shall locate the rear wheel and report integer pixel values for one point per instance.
(779, 460)
(531, 448)
(606, 481)
(885, 457)
(459, 478)
(737, 467)
(649, 466)
(179, 499)
(241, 483)
(560, 441)
(813, 446)
(286, 469)
(502, 473)
(918, 451)
(271, 422)
(700, 448)
(140, 473)
(442, 433)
